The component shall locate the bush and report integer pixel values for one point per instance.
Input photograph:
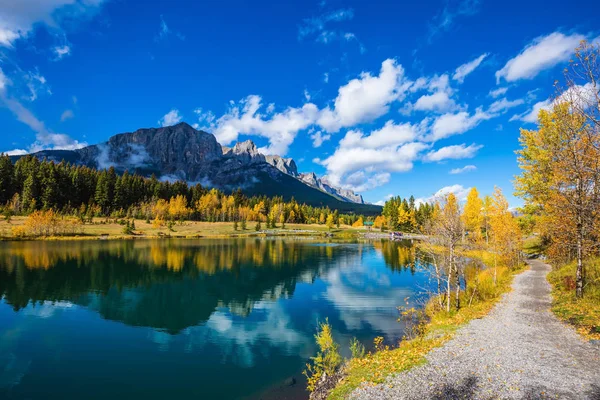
(356, 348)
(47, 223)
(326, 361)
(258, 227)
(582, 313)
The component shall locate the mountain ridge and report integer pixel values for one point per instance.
(180, 152)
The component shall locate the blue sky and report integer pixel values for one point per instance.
(382, 97)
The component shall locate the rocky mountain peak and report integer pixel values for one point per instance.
(285, 165)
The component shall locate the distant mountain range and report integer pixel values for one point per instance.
(180, 152)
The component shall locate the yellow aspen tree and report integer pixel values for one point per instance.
(560, 163)
(473, 215)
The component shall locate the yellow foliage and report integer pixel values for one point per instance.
(359, 223)
(473, 215)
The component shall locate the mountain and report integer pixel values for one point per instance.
(182, 152)
(312, 180)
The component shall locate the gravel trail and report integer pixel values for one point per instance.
(519, 351)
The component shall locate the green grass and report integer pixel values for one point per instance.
(107, 228)
(583, 314)
(533, 245)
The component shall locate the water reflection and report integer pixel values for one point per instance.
(219, 305)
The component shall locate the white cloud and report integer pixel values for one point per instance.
(61, 51)
(454, 152)
(16, 152)
(370, 159)
(20, 17)
(318, 138)
(4, 81)
(67, 114)
(465, 69)
(456, 123)
(326, 77)
(170, 118)
(366, 98)
(439, 101)
(306, 95)
(279, 128)
(363, 99)
(542, 53)
(45, 139)
(498, 92)
(576, 93)
(466, 168)
(504, 104)
(459, 191)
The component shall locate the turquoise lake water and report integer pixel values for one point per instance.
(204, 319)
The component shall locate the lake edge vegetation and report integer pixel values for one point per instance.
(474, 252)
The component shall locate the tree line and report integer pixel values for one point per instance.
(456, 233)
(560, 167)
(31, 185)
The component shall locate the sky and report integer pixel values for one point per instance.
(383, 97)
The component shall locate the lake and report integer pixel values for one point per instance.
(206, 319)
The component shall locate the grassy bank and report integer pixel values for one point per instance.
(375, 367)
(102, 228)
(583, 314)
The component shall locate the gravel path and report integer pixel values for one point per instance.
(519, 351)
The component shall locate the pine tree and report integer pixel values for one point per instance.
(6, 179)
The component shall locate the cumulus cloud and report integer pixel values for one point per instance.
(366, 98)
(542, 53)
(465, 69)
(459, 191)
(451, 124)
(171, 118)
(454, 152)
(280, 129)
(319, 137)
(466, 168)
(440, 98)
(361, 100)
(582, 94)
(362, 162)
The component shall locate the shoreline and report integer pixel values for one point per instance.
(111, 229)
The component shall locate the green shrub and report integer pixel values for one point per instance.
(356, 348)
(326, 361)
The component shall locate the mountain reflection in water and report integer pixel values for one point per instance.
(249, 304)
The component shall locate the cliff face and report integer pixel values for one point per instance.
(182, 152)
(313, 180)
